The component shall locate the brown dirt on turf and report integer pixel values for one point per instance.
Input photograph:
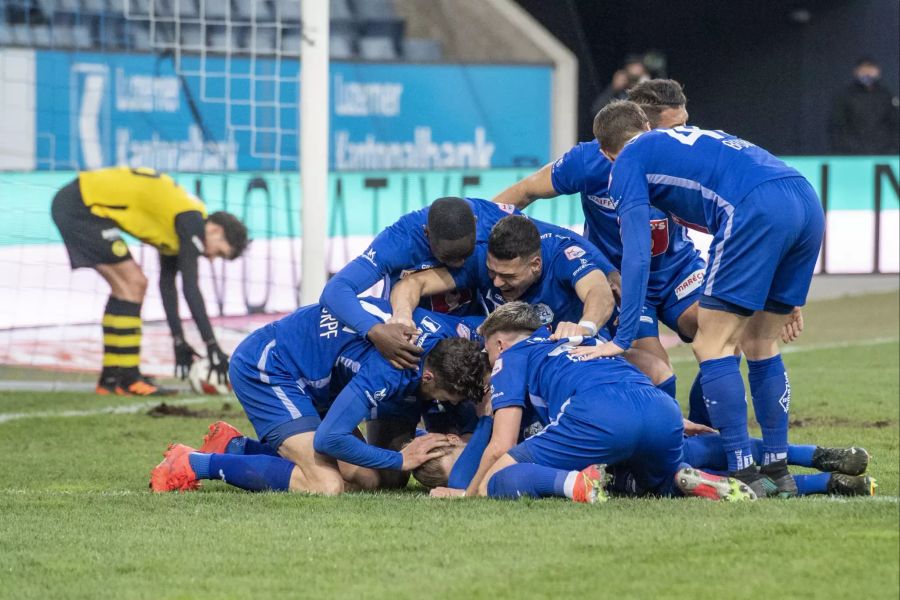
(168, 410)
(839, 422)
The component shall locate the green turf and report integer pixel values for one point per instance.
(76, 520)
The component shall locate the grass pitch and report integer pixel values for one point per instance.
(77, 521)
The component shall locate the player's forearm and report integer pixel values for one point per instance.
(598, 304)
(340, 297)
(405, 297)
(534, 187)
(469, 460)
(492, 453)
(346, 447)
(517, 194)
(195, 302)
(169, 295)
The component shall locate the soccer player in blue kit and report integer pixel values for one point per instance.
(767, 224)
(559, 274)
(605, 412)
(289, 373)
(444, 233)
(676, 268)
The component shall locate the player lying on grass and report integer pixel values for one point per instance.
(676, 269)
(288, 374)
(443, 234)
(842, 469)
(91, 214)
(597, 414)
(767, 224)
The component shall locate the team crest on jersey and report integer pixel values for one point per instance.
(507, 208)
(659, 236)
(545, 313)
(604, 202)
(463, 331)
(429, 325)
(573, 252)
(119, 248)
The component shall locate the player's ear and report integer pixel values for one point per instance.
(427, 375)
(536, 262)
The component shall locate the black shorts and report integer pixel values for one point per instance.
(90, 240)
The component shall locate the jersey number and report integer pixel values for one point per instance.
(689, 135)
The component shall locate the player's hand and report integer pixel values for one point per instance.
(184, 358)
(567, 329)
(691, 428)
(218, 363)
(392, 340)
(483, 408)
(794, 327)
(422, 449)
(615, 284)
(445, 492)
(600, 351)
(404, 320)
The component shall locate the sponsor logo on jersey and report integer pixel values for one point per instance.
(646, 319)
(689, 225)
(495, 395)
(693, 282)
(604, 202)
(545, 313)
(375, 398)
(498, 366)
(534, 429)
(113, 233)
(585, 263)
(463, 331)
(369, 255)
(558, 163)
(507, 208)
(428, 324)
(573, 252)
(420, 342)
(407, 272)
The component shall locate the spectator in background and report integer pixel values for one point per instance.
(632, 73)
(864, 118)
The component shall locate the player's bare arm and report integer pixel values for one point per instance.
(596, 295)
(505, 433)
(534, 187)
(408, 292)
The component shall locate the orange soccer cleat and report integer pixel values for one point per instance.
(174, 473)
(220, 433)
(694, 482)
(590, 485)
(143, 386)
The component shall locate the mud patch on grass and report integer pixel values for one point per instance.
(169, 410)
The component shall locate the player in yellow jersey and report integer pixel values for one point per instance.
(91, 214)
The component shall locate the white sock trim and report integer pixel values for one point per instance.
(569, 484)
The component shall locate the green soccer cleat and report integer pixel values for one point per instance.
(840, 484)
(761, 485)
(785, 486)
(849, 461)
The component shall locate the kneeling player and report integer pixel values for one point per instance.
(597, 414)
(291, 372)
(91, 213)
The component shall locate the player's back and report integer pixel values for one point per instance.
(553, 375)
(143, 202)
(696, 175)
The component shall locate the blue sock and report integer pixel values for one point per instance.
(800, 455)
(255, 473)
(771, 392)
(668, 386)
(812, 484)
(696, 406)
(723, 390)
(247, 445)
(527, 479)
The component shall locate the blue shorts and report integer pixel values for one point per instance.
(685, 288)
(271, 397)
(765, 255)
(633, 425)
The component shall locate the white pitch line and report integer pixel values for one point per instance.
(126, 409)
(789, 349)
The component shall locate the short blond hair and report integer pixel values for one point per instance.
(511, 317)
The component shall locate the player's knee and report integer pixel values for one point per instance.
(759, 348)
(137, 287)
(329, 484)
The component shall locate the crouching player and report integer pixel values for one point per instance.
(291, 372)
(597, 414)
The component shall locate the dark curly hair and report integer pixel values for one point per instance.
(515, 236)
(235, 231)
(459, 366)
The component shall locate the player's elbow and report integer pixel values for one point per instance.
(327, 442)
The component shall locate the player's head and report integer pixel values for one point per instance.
(451, 230)
(507, 325)
(662, 100)
(616, 124)
(226, 236)
(436, 472)
(514, 255)
(454, 371)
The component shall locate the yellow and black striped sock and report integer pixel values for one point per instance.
(121, 340)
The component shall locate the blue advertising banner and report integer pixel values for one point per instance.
(214, 113)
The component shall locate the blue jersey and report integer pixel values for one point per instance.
(698, 177)
(565, 261)
(400, 249)
(584, 170)
(540, 373)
